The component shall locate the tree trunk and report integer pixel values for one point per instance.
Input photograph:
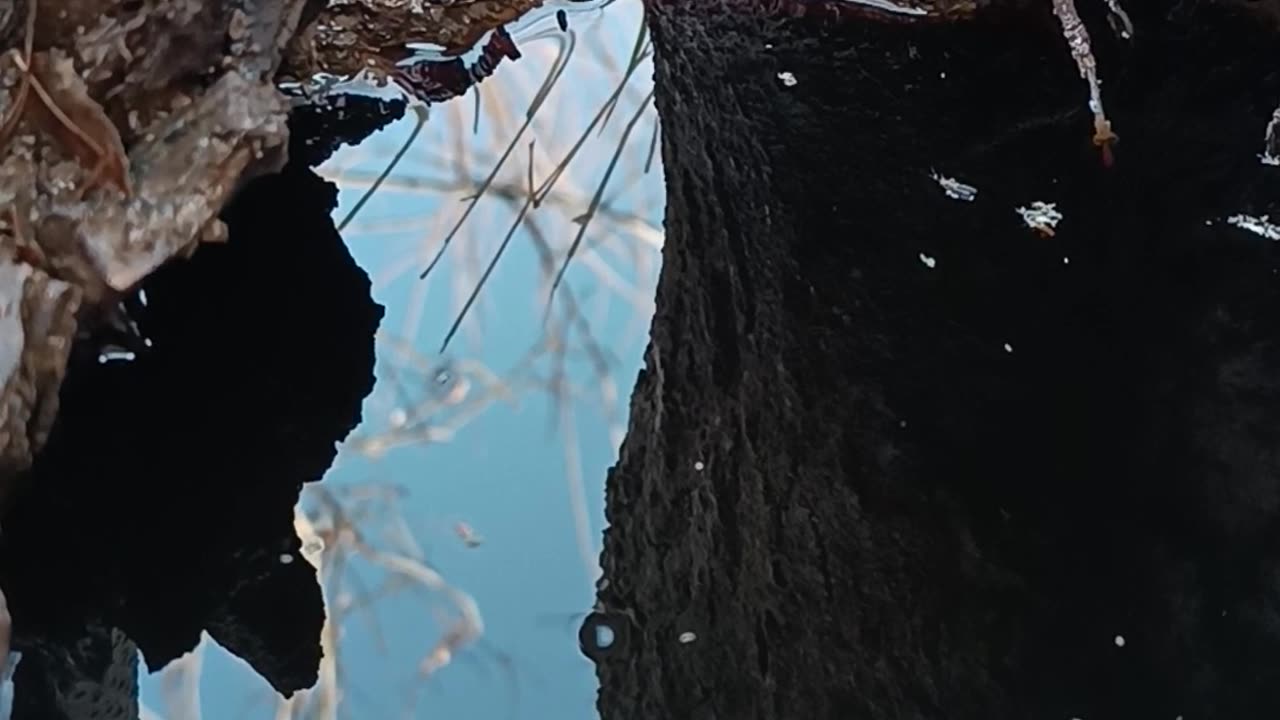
(898, 455)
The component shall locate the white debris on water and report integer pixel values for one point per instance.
(955, 189)
(1008, 348)
(1041, 216)
(365, 83)
(787, 78)
(687, 637)
(698, 466)
(929, 262)
(1257, 225)
(115, 355)
(1120, 21)
(1120, 641)
(1271, 141)
(888, 6)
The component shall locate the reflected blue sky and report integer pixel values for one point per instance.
(505, 472)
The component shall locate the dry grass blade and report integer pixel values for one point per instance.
(595, 201)
(422, 113)
(653, 147)
(76, 121)
(493, 262)
(14, 116)
(637, 54)
(555, 175)
(577, 493)
(475, 120)
(557, 69)
(180, 685)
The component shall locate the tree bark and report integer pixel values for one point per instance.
(897, 455)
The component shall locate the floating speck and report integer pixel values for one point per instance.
(1066, 261)
(1119, 641)
(115, 355)
(955, 189)
(698, 466)
(787, 78)
(1008, 348)
(1257, 225)
(687, 637)
(929, 262)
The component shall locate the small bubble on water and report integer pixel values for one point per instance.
(286, 559)
(698, 466)
(1119, 641)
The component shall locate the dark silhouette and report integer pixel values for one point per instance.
(163, 503)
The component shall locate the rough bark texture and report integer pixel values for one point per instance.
(162, 109)
(893, 455)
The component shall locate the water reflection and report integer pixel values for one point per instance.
(162, 528)
(467, 502)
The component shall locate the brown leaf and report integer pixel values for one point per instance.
(66, 113)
